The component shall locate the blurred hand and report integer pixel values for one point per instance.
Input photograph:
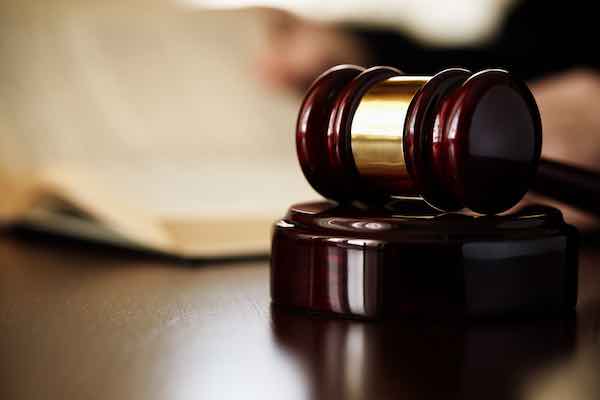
(299, 50)
(570, 108)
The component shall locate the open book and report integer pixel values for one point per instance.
(143, 125)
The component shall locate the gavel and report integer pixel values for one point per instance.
(457, 139)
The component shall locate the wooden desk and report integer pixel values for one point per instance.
(85, 322)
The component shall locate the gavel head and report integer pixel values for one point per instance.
(457, 139)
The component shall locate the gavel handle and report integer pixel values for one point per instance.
(571, 185)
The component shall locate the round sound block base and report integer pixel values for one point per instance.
(406, 258)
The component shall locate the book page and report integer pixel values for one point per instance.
(156, 107)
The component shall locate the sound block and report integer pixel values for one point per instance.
(406, 258)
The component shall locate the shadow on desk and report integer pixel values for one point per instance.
(58, 242)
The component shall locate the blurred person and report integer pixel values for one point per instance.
(541, 42)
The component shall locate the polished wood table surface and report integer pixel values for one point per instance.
(80, 321)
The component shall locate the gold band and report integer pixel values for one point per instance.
(378, 127)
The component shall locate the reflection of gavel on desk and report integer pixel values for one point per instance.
(377, 141)
(459, 140)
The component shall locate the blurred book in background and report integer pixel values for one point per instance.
(143, 122)
(141, 125)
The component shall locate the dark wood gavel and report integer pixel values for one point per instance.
(457, 139)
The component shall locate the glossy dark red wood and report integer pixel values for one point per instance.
(339, 145)
(408, 258)
(323, 133)
(491, 141)
(422, 136)
(470, 140)
(329, 179)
